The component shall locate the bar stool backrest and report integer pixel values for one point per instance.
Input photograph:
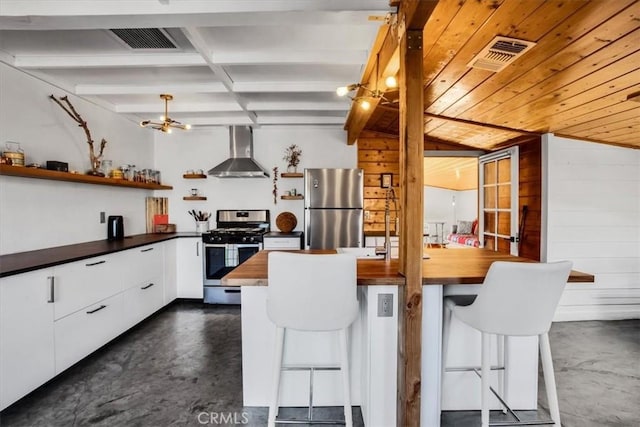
(312, 292)
(517, 298)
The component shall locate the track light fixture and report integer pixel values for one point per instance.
(167, 124)
(363, 100)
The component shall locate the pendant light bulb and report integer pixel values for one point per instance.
(162, 118)
(365, 105)
(391, 81)
(187, 126)
(342, 91)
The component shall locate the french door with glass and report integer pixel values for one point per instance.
(498, 201)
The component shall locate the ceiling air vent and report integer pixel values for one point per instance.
(501, 52)
(144, 38)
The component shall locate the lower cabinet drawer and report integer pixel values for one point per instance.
(142, 300)
(274, 243)
(86, 330)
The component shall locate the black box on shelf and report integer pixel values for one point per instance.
(53, 165)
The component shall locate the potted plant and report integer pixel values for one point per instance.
(292, 156)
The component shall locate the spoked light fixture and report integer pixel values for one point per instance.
(167, 124)
(367, 94)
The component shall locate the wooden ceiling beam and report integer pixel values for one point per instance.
(413, 14)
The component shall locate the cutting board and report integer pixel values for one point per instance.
(155, 206)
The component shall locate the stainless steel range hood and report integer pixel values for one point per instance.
(241, 163)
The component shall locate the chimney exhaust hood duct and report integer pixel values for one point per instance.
(241, 163)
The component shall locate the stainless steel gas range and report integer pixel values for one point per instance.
(237, 237)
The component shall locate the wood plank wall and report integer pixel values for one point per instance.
(530, 195)
(378, 154)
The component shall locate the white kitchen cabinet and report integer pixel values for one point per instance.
(144, 263)
(189, 268)
(282, 241)
(26, 334)
(86, 330)
(142, 300)
(170, 271)
(79, 284)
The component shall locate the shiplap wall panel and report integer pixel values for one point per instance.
(593, 219)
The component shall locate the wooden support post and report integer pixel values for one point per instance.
(411, 177)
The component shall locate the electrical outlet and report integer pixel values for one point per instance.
(103, 219)
(367, 215)
(385, 305)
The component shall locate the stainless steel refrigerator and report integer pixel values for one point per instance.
(333, 208)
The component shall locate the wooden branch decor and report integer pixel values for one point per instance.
(71, 111)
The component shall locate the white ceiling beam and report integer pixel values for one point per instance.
(108, 61)
(158, 107)
(218, 121)
(199, 43)
(40, 21)
(286, 120)
(288, 86)
(320, 56)
(146, 89)
(7, 58)
(152, 7)
(298, 106)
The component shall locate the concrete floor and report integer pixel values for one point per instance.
(183, 367)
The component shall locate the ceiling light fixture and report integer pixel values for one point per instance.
(363, 99)
(167, 123)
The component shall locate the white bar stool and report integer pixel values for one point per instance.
(311, 293)
(516, 299)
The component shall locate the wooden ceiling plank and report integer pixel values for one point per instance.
(465, 23)
(533, 28)
(631, 128)
(544, 109)
(603, 122)
(606, 103)
(437, 24)
(566, 66)
(444, 89)
(623, 143)
(610, 107)
(611, 127)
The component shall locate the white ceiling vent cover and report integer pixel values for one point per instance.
(501, 52)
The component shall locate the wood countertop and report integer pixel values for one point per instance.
(445, 266)
(23, 262)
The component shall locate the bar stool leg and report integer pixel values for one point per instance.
(501, 348)
(485, 380)
(275, 382)
(344, 368)
(549, 378)
(446, 327)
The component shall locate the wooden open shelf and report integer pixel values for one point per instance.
(291, 175)
(25, 172)
(194, 176)
(296, 197)
(194, 198)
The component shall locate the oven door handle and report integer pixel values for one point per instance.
(232, 291)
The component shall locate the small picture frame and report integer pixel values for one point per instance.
(386, 180)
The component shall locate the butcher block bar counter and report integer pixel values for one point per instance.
(374, 340)
(443, 267)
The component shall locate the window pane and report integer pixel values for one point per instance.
(490, 173)
(504, 196)
(489, 242)
(490, 222)
(504, 223)
(504, 170)
(490, 197)
(504, 246)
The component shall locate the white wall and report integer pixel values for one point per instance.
(438, 206)
(35, 213)
(204, 149)
(593, 219)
